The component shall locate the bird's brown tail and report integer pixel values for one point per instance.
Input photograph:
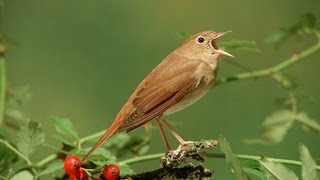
(109, 132)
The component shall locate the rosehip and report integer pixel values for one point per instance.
(81, 174)
(111, 172)
(72, 164)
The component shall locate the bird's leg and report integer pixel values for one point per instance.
(163, 135)
(173, 132)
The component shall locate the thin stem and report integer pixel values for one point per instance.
(2, 86)
(46, 160)
(141, 158)
(26, 159)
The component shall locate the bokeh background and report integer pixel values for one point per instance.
(82, 59)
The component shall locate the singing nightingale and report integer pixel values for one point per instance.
(181, 79)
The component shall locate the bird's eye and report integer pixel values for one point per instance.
(200, 39)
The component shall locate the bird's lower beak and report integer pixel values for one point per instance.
(222, 52)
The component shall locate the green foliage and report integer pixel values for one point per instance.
(30, 137)
(7, 157)
(232, 160)
(277, 125)
(275, 128)
(309, 167)
(307, 22)
(276, 171)
(65, 131)
(52, 167)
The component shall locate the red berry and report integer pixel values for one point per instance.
(72, 164)
(73, 177)
(81, 174)
(111, 172)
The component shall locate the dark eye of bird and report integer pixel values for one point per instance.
(200, 40)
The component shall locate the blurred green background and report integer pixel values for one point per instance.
(82, 59)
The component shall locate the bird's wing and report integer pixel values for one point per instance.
(159, 92)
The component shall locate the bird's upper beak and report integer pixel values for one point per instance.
(215, 47)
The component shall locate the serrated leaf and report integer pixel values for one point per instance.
(306, 120)
(277, 171)
(275, 128)
(29, 137)
(239, 45)
(53, 167)
(232, 160)
(65, 128)
(309, 167)
(254, 173)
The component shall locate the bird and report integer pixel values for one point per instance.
(181, 79)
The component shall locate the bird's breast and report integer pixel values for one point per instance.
(206, 75)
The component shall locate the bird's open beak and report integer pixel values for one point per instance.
(215, 47)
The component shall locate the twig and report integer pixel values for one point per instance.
(269, 71)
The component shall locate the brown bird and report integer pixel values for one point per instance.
(181, 79)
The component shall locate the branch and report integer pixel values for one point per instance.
(269, 71)
(174, 158)
(186, 172)
(218, 155)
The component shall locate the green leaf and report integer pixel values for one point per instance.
(239, 45)
(279, 36)
(123, 144)
(2, 87)
(30, 137)
(307, 121)
(22, 175)
(125, 170)
(309, 167)
(255, 173)
(275, 128)
(100, 157)
(276, 171)
(118, 141)
(65, 128)
(231, 159)
(53, 167)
